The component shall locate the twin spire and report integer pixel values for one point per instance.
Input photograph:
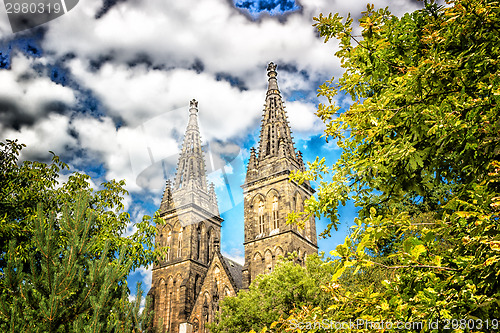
(276, 142)
(275, 146)
(190, 184)
(191, 170)
(275, 135)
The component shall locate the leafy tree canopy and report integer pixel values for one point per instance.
(420, 159)
(274, 295)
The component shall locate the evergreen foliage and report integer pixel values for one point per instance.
(24, 185)
(67, 288)
(63, 259)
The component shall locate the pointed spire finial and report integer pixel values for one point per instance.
(193, 104)
(167, 200)
(271, 68)
(191, 164)
(213, 199)
(273, 82)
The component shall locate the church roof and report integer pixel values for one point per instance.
(235, 270)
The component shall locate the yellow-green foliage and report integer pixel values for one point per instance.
(420, 145)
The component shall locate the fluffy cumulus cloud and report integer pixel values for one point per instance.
(34, 109)
(139, 94)
(181, 33)
(143, 60)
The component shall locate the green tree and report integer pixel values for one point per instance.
(24, 185)
(272, 296)
(420, 144)
(63, 257)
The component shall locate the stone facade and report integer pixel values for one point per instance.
(269, 196)
(189, 283)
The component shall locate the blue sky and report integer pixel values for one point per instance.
(107, 87)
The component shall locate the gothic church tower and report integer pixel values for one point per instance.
(269, 196)
(191, 232)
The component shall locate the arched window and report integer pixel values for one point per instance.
(298, 204)
(268, 146)
(198, 243)
(261, 217)
(275, 213)
(162, 299)
(208, 253)
(169, 244)
(197, 285)
(179, 244)
(268, 258)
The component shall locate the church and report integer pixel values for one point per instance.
(192, 279)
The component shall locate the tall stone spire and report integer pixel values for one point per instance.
(269, 195)
(189, 235)
(191, 171)
(275, 130)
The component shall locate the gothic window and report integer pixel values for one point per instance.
(268, 258)
(169, 244)
(205, 312)
(298, 203)
(275, 213)
(261, 217)
(179, 244)
(168, 314)
(268, 146)
(163, 297)
(208, 254)
(198, 243)
(197, 285)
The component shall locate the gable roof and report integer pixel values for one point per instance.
(235, 271)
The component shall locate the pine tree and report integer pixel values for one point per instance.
(67, 287)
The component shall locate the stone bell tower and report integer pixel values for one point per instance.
(269, 196)
(191, 232)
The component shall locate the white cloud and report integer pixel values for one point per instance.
(48, 134)
(235, 255)
(125, 151)
(177, 33)
(302, 117)
(30, 103)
